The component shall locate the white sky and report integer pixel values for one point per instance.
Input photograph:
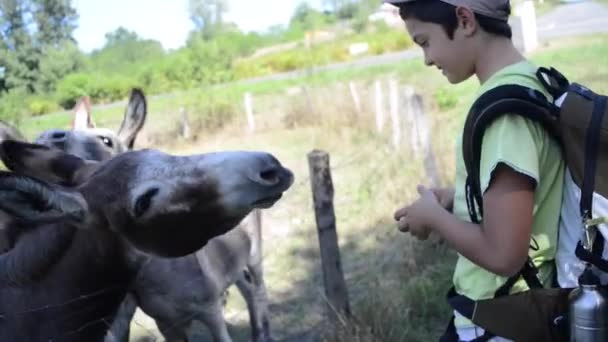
(167, 20)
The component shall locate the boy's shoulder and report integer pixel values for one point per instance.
(521, 73)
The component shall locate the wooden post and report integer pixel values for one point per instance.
(185, 123)
(424, 143)
(355, 95)
(249, 111)
(379, 107)
(525, 35)
(394, 108)
(410, 120)
(323, 195)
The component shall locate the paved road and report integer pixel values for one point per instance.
(573, 19)
(567, 19)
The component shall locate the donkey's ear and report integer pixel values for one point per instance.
(9, 132)
(82, 114)
(43, 162)
(30, 201)
(135, 116)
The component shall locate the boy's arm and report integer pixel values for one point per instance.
(501, 244)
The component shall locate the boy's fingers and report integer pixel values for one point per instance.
(400, 213)
(403, 225)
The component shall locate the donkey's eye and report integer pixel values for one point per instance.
(106, 141)
(142, 204)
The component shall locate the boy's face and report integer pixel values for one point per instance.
(454, 57)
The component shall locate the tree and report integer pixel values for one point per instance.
(125, 52)
(28, 28)
(55, 21)
(207, 16)
(17, 53)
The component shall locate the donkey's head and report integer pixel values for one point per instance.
(88, 142)
(163, 204)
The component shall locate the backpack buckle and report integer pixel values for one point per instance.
(593, 222)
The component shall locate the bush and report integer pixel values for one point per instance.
(445, 98)
(109, 89)
(12, 106)
(41, 105)
(71, 88)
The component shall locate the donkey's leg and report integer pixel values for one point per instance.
(120, 328)
(213, 317)
(173, 332)
(253, 288)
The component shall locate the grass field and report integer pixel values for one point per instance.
(396, 284)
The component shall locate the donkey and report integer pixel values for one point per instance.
(76, 248)
(180, 291)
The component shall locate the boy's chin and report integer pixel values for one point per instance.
(453, 79)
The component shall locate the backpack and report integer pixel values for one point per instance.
(578, 120)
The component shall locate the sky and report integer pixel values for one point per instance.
(167, 20)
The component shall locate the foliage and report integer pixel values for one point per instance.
(445, 98)
(12, 106)
(28, 30)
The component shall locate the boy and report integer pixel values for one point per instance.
(521, 171)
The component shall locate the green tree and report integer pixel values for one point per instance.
(207, 16)
(125, 52)
(55, 20)
(18, 54)
(28, 30)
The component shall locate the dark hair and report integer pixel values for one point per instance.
(444, 14)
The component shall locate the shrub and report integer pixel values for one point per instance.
(41, 105)
(445, 98)
(71, 88)
(12, 106)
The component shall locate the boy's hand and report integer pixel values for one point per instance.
(445, 196)
(417, 217)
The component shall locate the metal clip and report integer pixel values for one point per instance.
(589, 232)
(595, 222)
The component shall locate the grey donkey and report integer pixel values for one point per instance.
(177, 292)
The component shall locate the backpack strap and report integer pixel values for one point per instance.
(554, 82)
(506, 99)
(592, 146)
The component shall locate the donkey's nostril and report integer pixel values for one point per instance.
(270, 176)
(58, 135)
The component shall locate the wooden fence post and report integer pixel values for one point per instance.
(394, 108)
(424, 141)
(185, 123)
(355, 95)
(411, 124)
(379, 106)
(333, 276)
(249, 112)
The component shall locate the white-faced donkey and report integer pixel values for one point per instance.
(177, 292)
(78, 240)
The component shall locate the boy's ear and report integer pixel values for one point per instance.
(42, 162)
(134, 119)
(467, 22)
(30, 201)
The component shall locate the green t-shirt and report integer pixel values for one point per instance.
(527, 148)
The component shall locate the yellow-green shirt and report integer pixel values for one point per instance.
(527, 148)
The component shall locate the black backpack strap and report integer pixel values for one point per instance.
(506, 99)
(554, 81)
(592, 146)
(466, 307)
